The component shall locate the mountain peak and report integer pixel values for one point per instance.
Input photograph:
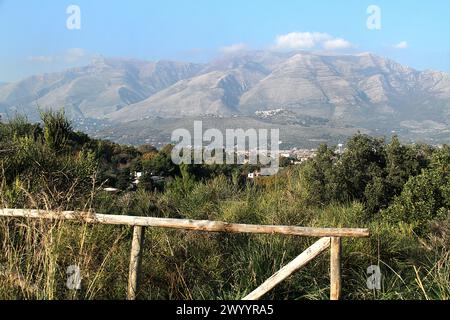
(350, 89)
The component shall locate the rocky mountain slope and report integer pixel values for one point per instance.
(364, 90)
(94, 91)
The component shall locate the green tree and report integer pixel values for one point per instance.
(426, 196)
(161, 164)
(354, 173)
(124, 179)
(57, 129)
(318, 176)
(401, 163)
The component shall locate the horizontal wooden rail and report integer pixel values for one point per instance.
(330, 237)
(185, 224)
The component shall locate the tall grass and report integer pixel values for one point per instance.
(184, 265)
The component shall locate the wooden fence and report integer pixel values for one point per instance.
(329, 238)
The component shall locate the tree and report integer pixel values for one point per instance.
(57, 129)
(318, 175)
(401, 165)
(19, 127)
(161, 164)
(124, 179)
(146, 182)
(360, 170)
(426, 196)
(147, 148)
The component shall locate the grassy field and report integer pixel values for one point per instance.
(188, 265)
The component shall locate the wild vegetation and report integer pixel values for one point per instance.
(401, 192)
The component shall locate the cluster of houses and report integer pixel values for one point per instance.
(137, 176)
(296, 157)
(300, 155)
(136, 179)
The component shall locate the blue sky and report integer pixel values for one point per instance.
(35, 38)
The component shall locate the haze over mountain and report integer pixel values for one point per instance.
(361, 90)
(94, 91)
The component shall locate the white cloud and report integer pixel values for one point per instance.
(234, 48)
(42, 59)
(300, 40)
(337, 44)
(74, 55)
(401, 45)
(310, 40)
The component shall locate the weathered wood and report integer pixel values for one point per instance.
(290, 268)
(184, 224)
(335, 268)
(135, 262)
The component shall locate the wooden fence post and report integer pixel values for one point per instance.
(335, 268)
(135, 262)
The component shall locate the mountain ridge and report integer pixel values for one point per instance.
(363, 90)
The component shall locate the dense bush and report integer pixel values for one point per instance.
(368, 171)
(427, 196)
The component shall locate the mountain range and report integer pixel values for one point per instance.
(361, 90)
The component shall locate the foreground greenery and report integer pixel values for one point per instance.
(402, 193)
